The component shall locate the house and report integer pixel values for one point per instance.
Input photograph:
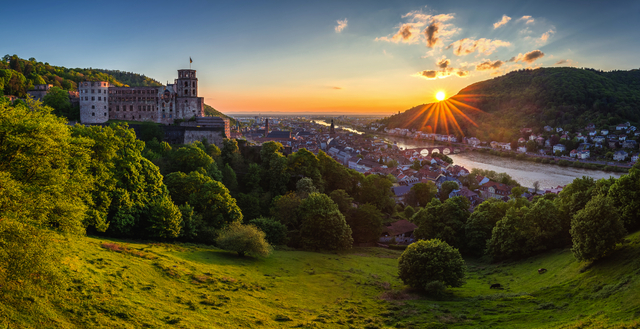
(598, 139)
(559, 148)
(573, 153)
(590, 126)
(399, 192)
(584, 154)
(556, 190)
(482, 180)
(564, 136)
(400, 232)
(522, 149)
(630, 144)
(547, 128)
(495, 190)
(473, 141)
(525, 130)
(558, 129)
(604, 132)
(547, 143)
(506, 146)
(621, 126)
(593, 133)
(634, 158)
(540, 140)
(532, 137)
(521, 140)
(620, 155)
(472, 196)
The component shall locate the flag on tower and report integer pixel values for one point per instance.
(190, 60)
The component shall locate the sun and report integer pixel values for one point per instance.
(440, 96)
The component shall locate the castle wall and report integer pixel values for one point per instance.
(134, 103)
(94, 101)
(213, 135)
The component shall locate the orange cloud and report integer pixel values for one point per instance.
(436, 31)
(441, 74)
(443, 63)
(489, 65)
(505, 19)
(545, 36)
(527, 19)
(529, 57)
(484, 46)
(342, 24)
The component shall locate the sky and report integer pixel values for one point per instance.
(342, 57)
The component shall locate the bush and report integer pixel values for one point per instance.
(276, 232)
(432, 260)
(244, 239)
(596, 229)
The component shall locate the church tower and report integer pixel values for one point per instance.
(266, 127)
(332, 131)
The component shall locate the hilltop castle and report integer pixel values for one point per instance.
(100, 101)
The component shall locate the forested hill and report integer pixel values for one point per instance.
(563, 97)
(211, 112)
(19, 75)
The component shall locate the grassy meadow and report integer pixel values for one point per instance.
(128, 284)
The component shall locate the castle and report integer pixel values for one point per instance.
(100, 101)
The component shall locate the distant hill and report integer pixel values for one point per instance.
(211, 112)
(18, 75)
(564, 97)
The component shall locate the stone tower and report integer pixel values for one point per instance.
(266, 127)
(188, 104)
(94, 102)
(333, 128)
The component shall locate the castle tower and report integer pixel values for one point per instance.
(333, 128)
(94, 101)
(188, 104)
(266, 127)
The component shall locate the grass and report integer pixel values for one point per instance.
(124, 284)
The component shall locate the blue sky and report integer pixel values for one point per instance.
(289, 56)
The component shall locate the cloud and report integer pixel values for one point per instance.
(434, 34)
(430, 34)
(443, 63)
(342, 24)
(527, 19)
(503, 21)
(441, 74)
(489, 65)
(545, 36)
(529, 57)
(336, 88)
(467, 46)
(566, 61)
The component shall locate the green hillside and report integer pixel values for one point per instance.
(563, 97)
(211, 112)
(122, 284)
(19, 75)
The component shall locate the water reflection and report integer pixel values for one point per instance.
(320, 122)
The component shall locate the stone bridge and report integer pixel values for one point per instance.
(444, 149)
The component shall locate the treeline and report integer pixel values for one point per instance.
(103, 180)
(588, 215)
(19, 75)
(564, 97)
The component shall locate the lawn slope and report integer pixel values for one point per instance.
(122, 284)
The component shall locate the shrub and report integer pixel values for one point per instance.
(432, 260)
(276, 232)
(244, 239)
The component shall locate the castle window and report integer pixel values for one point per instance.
(130, 107)
(194, 92)
(93, 98)
(186, 91)
(105, 114)
(93, 114)
(105, 107)
(93, 107)
(139, 107)
(93, 91)
(194, 84)
(169, 115)
(99, 91)
(186, 84)
(99, 98)
(163, 116)
(118, 108)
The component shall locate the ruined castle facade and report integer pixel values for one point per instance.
(100, 101)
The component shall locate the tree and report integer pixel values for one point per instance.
(58, 99)
(322, 225)
(596, 229)
(285, 210)
(304, 187)
(150, 131)
(446, 188)
(305, 164)
(417, 165)
(625, 196)
(244, 239)
(409, 212)
(275, 231)
(229, 178)
(536, 187)
(342, 199)
(480, 224)
(424, 262)
(421, 194)
(366, 223)
(163, 218)
(376, 189)
(187, 159)
(443, 220)
(532, 146)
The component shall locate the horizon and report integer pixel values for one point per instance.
(331, 58)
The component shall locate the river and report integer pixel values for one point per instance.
(524, 172)
(320, 122)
